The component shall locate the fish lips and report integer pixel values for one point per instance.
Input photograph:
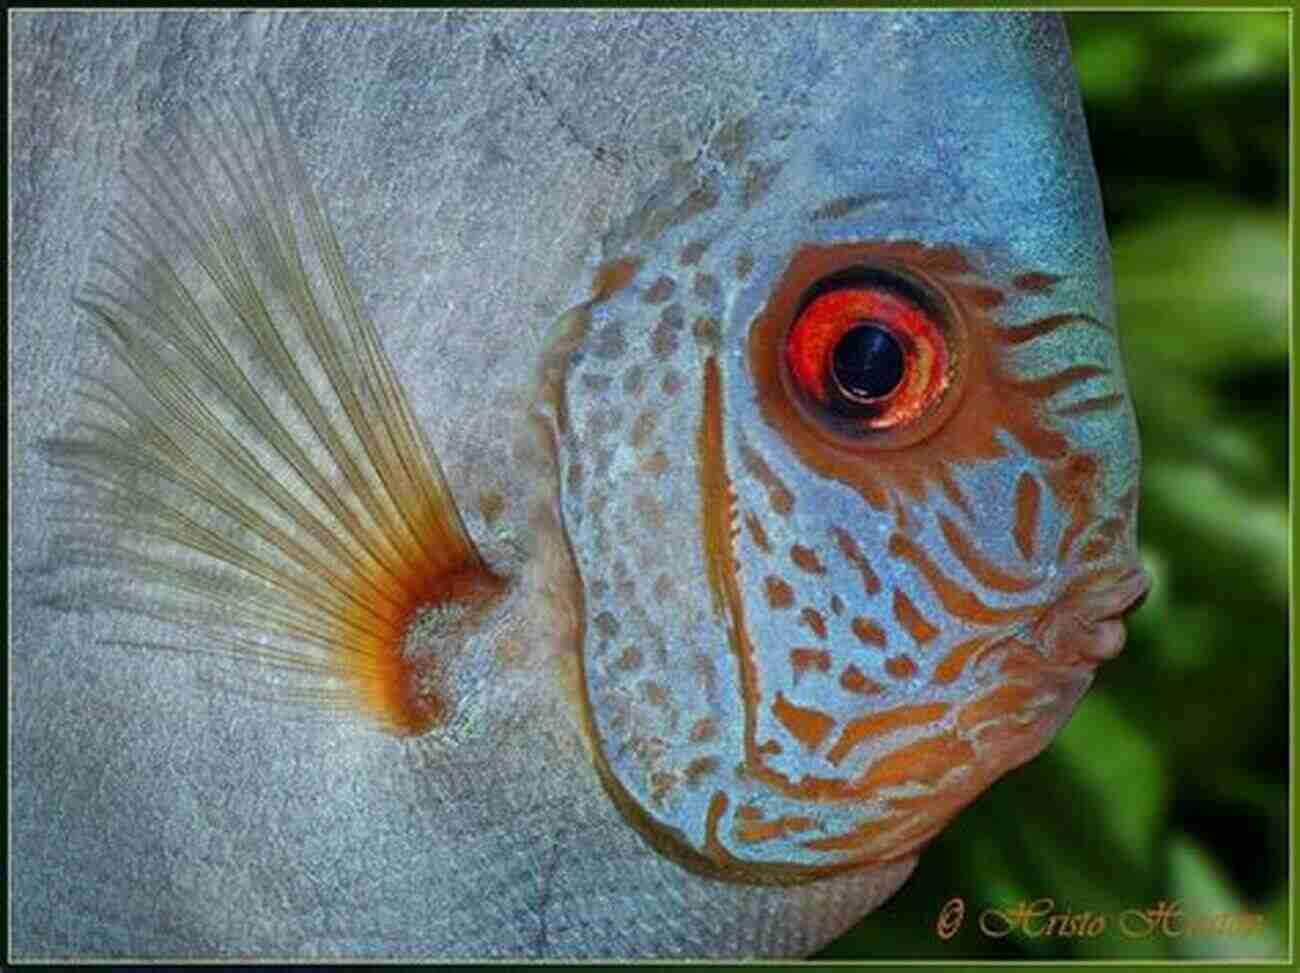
(1087, 626)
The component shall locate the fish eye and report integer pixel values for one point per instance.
(868, 351)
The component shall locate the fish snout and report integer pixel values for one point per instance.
(1086, 626)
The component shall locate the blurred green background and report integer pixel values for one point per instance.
(1170, 781)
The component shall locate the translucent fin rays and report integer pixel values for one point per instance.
(250, 469)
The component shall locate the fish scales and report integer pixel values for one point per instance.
(692, 663)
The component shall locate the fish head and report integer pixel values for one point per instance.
(846, 458)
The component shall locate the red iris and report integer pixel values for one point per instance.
(892, 360)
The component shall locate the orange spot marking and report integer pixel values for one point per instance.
(1022, 660)
(868, 632)
(925, 761)
(692, 252)
(803, 659)
(952, 492)
(940, 260)
(1095, 549)
(809, 726)
(954, 663)
(1045, 388)
(944, 802)
(656, 463)
(1035, 283)
(900, 667)
(805, 558)
(1076, 496)
(612, 276)
(706, 333)
(1105, 538)
(655, 694)
(757, 533)
(854, 681)
(1100, 403)
(699, 767)
(712, 846)
(661, 782)
(779, 594)
(878, 724)
(1028, 500)
(1019, 334)
(918, 833)
(870, 583)
(490, 505)
(982, 297)
(659, 291)
(900, 517)
(812, 619)
(642, 428)
(705, 729)
(630, 659)
(956, 600)
(986, 573)
(1009, 699)
(778, 494)
(907, 615)
(649, 510)
(758, 831)
(857, 837)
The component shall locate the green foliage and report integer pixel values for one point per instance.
(1195, 877)
(1170, 782)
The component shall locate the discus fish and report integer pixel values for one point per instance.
(673, 620)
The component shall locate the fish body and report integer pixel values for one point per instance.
(708, 661)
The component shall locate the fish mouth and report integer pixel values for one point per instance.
(1087, 625)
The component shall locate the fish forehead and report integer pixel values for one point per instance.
(965, 121)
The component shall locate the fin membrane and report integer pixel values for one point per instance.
(250, 470)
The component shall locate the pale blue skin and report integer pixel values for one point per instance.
(153, 817)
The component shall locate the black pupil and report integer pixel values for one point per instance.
(867, 362)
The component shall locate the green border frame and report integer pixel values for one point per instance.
(1114, 6)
